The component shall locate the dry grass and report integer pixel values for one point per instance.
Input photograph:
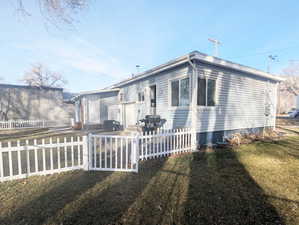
(253, 184)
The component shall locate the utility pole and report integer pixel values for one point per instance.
(216, 44)
(271, 58)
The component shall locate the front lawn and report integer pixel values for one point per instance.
(253, 184)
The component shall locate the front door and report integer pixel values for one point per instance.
(153, 99)
(130, 117)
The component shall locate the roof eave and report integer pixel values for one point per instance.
(84, 93)
(234, 66)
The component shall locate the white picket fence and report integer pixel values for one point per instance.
(163, 142)
(21, 124)
(24, 158)
(113, 153)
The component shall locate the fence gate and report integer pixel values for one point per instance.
(113, 153)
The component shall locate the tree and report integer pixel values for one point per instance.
(55, 11)
(40, 76)
(289, 88)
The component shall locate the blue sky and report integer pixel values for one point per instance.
(111, 37)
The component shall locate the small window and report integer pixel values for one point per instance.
(206, 92)
(180, 92)
(141, 96)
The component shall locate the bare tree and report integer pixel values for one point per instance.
(6, 105)
(40, 76)
(289, 88)
(55, 11)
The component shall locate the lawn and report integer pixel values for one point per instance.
(253, 184)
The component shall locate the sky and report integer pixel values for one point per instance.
(110, 38)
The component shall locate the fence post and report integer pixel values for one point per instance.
(193, 140)
(86, 152)
(135, 152)
(1, 163)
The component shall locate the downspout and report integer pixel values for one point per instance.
(193, 103)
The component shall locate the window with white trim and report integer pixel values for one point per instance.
(206, 90)
(180, 92)
(141, 96)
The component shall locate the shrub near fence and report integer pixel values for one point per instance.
(23, 158)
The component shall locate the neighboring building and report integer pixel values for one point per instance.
(214, 96)
(20, 102)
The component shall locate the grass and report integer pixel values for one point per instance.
(252, 184)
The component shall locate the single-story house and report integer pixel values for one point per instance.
(214, 96)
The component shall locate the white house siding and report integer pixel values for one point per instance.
(240, 99)
(240, 102)
(174, 117)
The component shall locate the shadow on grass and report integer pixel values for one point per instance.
(52, 199)
(107, 206)
(199, 188)
(222, 192)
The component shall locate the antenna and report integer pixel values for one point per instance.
(216, 45)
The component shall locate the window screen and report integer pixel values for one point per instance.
(201, 92)
(211, 92)
(175, 93)
(184, 92)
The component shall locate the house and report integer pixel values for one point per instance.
(22, 102)
(214, 96)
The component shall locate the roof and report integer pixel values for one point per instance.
(29, 87)
(95, 92)
(195, 55)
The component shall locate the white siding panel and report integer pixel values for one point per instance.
(240, 100)
(240, 103)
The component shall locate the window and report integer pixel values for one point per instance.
(180, 92)
(211, 92)
(141, 96)
(121, 97)
(206, 92)
(201, 92)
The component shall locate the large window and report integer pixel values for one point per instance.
(206, 92)
(180, 92)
